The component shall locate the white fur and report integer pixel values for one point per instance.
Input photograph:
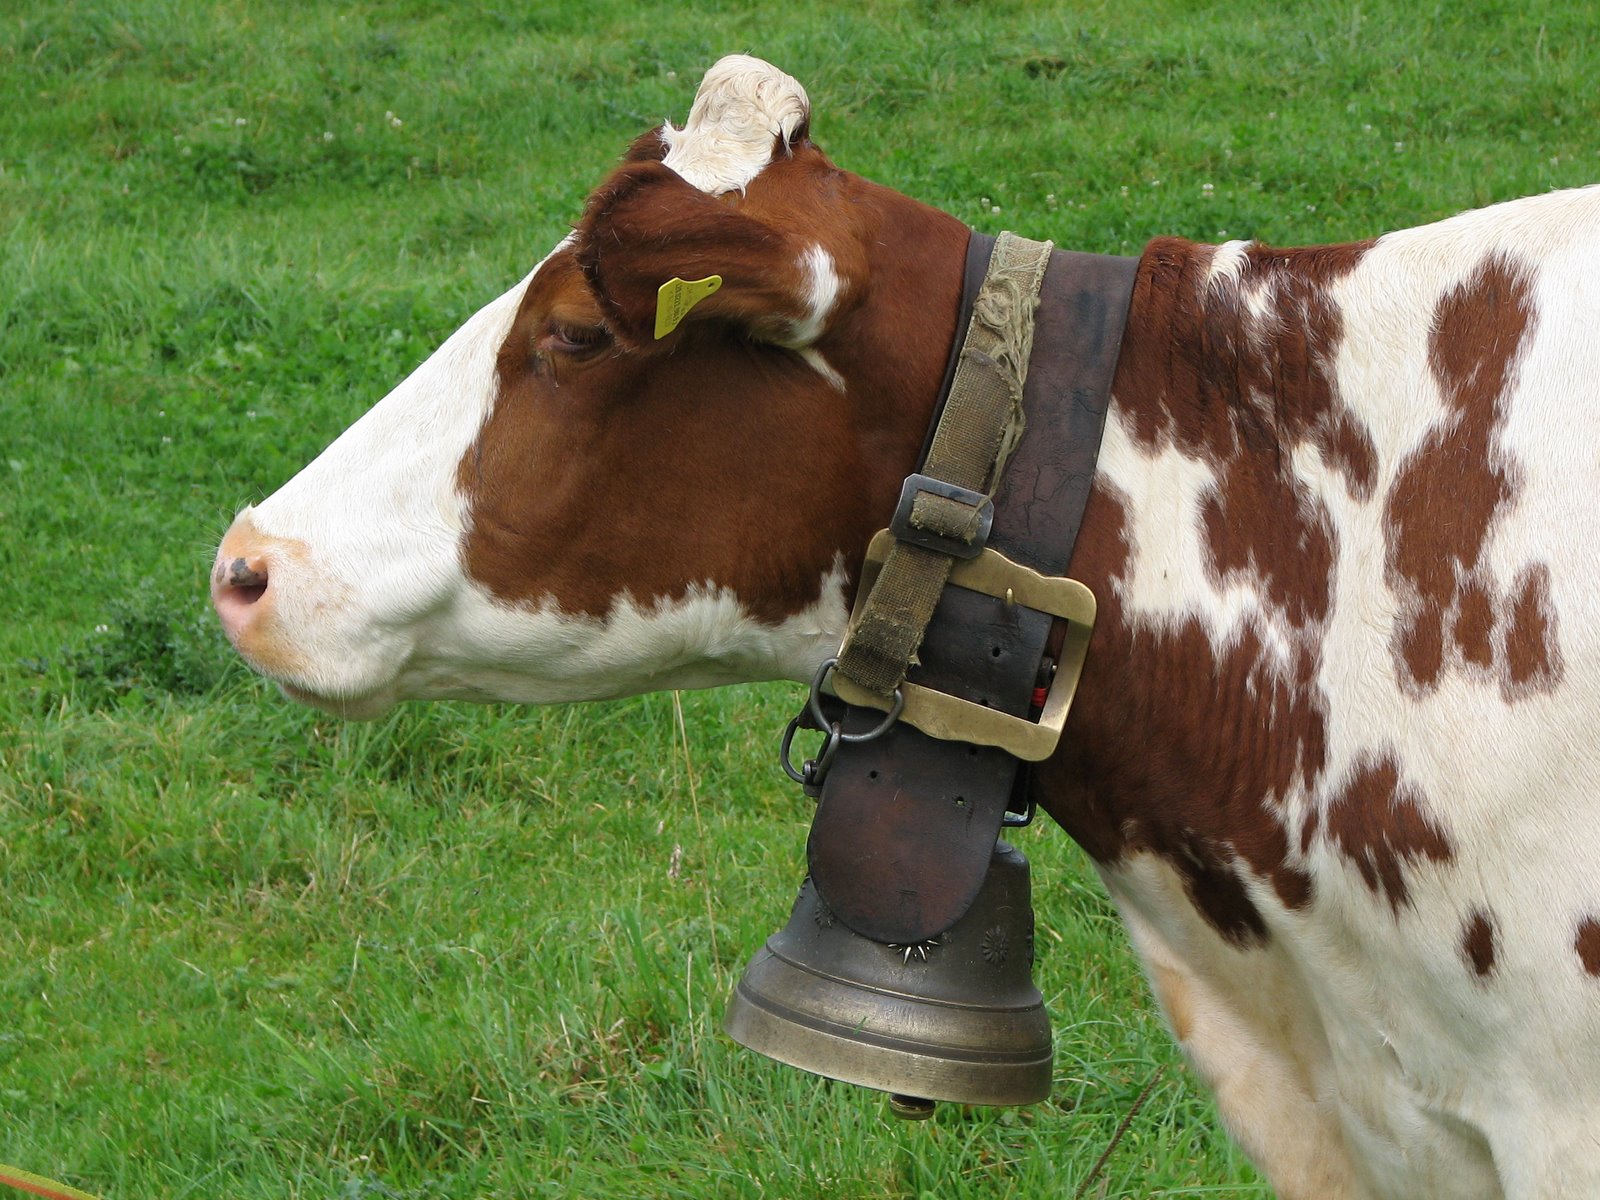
(1166, 580)
(821, 366)
(1228, 262)
(487, 650)
(1357, 1055)
(822, 289)
(743, 110)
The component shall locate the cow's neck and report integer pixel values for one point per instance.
(892, 350)
(1199, 714)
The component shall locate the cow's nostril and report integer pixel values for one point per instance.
(245, 582)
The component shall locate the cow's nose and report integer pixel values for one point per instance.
(246, 575)
(237, 586)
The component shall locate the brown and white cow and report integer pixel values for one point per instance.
(1334, 748)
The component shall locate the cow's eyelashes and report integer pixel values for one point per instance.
(574, 341)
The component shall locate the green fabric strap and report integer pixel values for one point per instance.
(981, 424)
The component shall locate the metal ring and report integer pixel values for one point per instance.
(816, 769)
(813, 770)
(814, 699)
(817, 715)
(783, 749)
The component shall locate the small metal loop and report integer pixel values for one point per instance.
(783, 750)
(814, 700)
(883, 727)
(817, 715)
(812, 771)
(816, 769)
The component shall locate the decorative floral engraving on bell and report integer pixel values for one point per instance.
(956, 1018)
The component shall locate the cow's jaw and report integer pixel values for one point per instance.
(488, 649)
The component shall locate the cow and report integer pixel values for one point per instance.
(1332, 748)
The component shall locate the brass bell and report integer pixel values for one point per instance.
(954, 1018)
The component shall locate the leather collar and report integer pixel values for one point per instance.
(906, 823)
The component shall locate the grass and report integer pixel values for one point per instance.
(246, 951)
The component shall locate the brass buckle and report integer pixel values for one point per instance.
(949, 718)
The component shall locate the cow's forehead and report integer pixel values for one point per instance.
(557, 287)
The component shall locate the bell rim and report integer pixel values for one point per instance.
(908, 1068)
(806, 1038)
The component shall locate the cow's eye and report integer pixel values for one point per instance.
(574, 341)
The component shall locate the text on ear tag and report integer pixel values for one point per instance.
(676, 297)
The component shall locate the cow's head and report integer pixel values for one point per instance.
(560, 505)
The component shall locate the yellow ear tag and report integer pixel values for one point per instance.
(676, 297)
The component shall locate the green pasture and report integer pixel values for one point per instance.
(248, 951)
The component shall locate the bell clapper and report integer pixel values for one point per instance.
(911, 1108)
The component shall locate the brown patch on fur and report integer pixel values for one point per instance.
(1378, 823)
(1478, 943)
(1421, 645)
(1242, 391)
(1202, 803)
(631, 467)
(1475, 623)
(1587, 944)
(649, 146)
(1533, 654)
(1448, 494)
(1202, 372)
(1345, 444)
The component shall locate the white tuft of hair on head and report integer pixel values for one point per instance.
(743, 110)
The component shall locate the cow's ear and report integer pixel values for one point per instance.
(646, 227)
